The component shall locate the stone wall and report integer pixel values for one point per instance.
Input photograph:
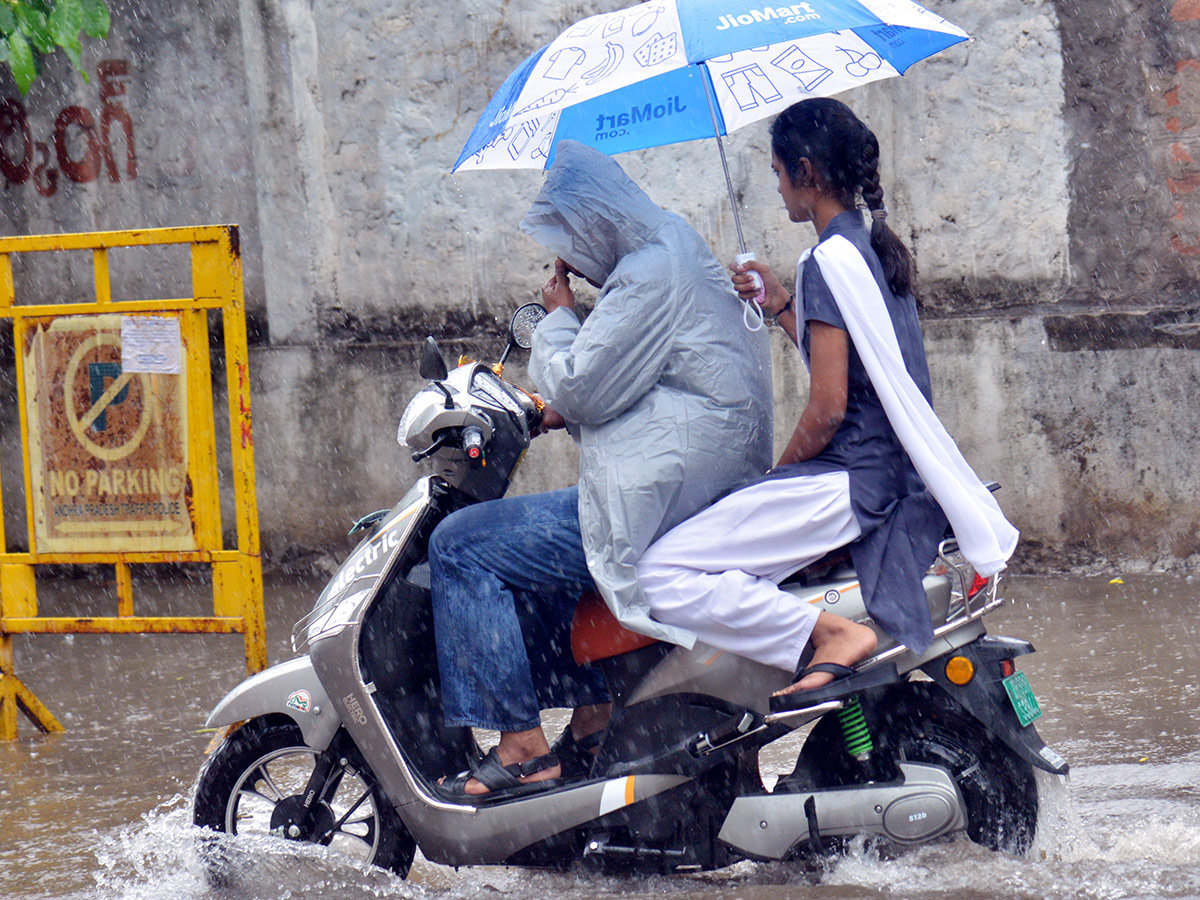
(1043, 174)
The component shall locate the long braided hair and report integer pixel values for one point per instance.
(844, 154)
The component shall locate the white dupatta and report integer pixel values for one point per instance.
(986, 538)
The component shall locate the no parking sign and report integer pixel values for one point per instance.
(107, 412)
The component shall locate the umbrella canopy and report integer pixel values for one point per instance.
(668, 71)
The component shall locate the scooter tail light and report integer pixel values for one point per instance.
(959, 670)
(977, 585)
(1007, 667)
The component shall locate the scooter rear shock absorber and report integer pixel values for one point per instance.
(854, 730)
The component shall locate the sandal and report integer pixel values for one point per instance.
(837, 670)
(499, 779)
(846, 681)
(575, 754)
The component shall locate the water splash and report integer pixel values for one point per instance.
(165, 856)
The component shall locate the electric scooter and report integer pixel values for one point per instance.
(345, 744)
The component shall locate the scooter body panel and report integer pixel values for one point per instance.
(922, 805)
(706, 670)
(447, 831)
(291, 688)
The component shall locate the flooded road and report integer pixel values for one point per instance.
(102, 811)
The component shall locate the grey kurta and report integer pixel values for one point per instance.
(664, 388)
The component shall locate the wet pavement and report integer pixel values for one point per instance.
(102, 811)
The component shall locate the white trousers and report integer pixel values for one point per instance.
(717, 574)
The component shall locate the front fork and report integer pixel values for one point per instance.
(302, 821)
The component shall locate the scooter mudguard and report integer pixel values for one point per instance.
(985, 698)
(291, 688)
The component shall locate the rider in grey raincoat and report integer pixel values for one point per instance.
(669, 397)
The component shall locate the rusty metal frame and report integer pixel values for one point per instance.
(236, 573)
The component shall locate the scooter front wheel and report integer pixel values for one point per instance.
(254, 783)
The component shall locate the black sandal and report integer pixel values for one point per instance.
(575, 754)
(846, 681)
(499, 779)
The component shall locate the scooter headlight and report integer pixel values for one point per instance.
(414, 418)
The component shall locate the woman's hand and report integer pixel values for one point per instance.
(775, 298)
(557, 291)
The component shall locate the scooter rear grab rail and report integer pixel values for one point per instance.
(969, 612)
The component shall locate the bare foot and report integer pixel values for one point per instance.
(834, 640)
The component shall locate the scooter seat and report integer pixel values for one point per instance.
(596, 634)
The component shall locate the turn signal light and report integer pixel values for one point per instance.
(959, 670)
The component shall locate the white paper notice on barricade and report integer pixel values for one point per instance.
(150, 344)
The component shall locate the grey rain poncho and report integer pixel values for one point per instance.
(665, 390)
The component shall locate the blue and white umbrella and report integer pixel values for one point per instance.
(669, 71)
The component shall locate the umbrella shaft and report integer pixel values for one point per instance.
(737, 219)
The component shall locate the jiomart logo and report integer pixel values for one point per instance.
(788, 15)
(354, 709)
(616, 125)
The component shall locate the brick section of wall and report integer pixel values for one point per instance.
(1179, 110)
(1132, 103)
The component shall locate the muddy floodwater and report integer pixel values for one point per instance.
(102, 811)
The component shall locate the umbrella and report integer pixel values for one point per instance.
(669, 71)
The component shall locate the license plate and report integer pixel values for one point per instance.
(1020, 695)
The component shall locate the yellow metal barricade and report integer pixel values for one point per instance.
(119, 446)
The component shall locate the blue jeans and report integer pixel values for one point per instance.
(506, 577)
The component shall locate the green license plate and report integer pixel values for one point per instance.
(1020, 695)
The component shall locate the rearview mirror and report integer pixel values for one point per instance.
(433, 366)
(524, 323)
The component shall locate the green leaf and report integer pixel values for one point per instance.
(4, 51)
(21, 62)
(33, 24)
(65, 23)
(74, 50)
(96, 20)
(8, 20)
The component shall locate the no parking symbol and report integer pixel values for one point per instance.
(107, 433)
(93, 374)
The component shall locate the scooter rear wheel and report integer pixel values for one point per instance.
(252, 783)
(917, 722)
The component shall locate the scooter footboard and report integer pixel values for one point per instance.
(291, 688)
(984, 696)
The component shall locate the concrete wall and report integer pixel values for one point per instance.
(1043, 175)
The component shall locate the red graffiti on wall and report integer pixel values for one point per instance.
(82, 145)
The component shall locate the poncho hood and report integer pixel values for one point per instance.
(590, 212)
